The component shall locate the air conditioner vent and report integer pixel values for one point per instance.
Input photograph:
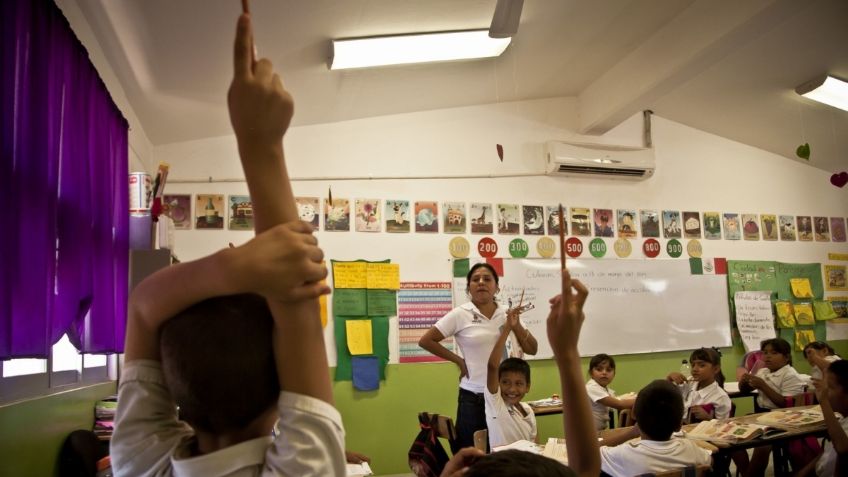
(599, 160)
(609, 171)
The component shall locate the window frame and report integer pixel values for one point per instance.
(36, 385)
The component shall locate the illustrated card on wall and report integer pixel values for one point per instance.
(509, 219)
(692, 224)
(805, 228)
(822, 229)
(803, 338)
(554, 220)
(308, 210)
(627, 223)
(732, 228)
(785, 314)
(787, 228)
(837, 229)
(426, 216)
(650, 223)
(241, 212)
(455, 218)
(834, 278)
(671, 224)
(839, 305)
(750, 227)
(712, 226)
(481, 218)
(580, 222)
(178, 208)
(769, 223)
(801, 287)
(367, 215)
(397, 216)
(534, 219)
(337, 215)
(209, 211)
(604, 223)
(804, 314)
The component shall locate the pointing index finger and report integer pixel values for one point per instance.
(243, 50)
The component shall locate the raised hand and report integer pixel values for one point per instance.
(283, 263)
(260, 107)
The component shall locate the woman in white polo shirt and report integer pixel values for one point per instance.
(475, 327)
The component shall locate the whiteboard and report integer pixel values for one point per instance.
(634, 306)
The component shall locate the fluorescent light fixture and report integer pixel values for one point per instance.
(827, 90)
(415, 48)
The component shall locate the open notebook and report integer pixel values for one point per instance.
(359, 470)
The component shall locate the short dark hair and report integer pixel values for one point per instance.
(780, 345)
(599, 359)
(218, 362)
(818, 346)
(658, 409)
(712, 356)
(474, 269)
(515, 365)
(516, 463)
(839, 369)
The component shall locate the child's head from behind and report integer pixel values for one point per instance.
(602, 369)
(706, 366)
(777, 353)
(819, 349)
(513, 380)
(658, 408)
(837, 386)
(218, 362)
(516, 463)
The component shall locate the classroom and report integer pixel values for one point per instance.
(708, 92)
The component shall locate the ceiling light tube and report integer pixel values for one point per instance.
(826, 89)
(414, 48)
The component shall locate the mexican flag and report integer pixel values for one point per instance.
(708, 266)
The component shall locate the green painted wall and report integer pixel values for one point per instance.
(32, 431)
(382, 424)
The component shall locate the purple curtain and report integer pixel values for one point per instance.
(63, 181)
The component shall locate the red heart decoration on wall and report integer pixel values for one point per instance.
(839, 180)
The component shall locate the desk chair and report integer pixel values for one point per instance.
(691, 471)
(445, 429)
(807, 398)
(481, 440)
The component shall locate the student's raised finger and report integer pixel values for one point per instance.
(243, 51)
(567, 298)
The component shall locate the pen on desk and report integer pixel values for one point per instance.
(561, 238)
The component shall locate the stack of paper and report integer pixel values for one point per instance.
(104, 417)
(555, 449)
(359, 470)
(523, 445)
(546, 402)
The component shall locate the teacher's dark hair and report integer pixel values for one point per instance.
(474, 269)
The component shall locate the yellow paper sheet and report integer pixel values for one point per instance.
(785, 314)
(804, 314)
(349, 274)
(359, 337)
(803, 338)
(801, 287)
(384, 276)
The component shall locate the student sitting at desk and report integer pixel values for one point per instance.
(703, 396)
(819, 354)
(507, 418)
(658, 408)
(601, 374)
(832, 392)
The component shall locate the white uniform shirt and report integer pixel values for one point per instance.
(712, 394)
(785, 381)
(826, 466)
(506, 424)
(816, 373)
(643, 456)
(149, 440)
(476, 336)
(600, 412)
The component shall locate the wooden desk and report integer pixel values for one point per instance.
(543, 410)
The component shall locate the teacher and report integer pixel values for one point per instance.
(475, 327)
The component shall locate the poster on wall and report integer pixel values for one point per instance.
(307, 210)
(455, 218)
(650, 220)
(837, 229)
(420, 306)
(712, 226)
(769, 226)
(732, 229)
(554, 221)
(787, 228)
(580, 222)
(603, 222)
(750, 227)
(241, 212)
(627, 223)
(805, 228)
(367, 215)
(534, 219)
(209, 211)
(509, 219)
(426, 216)
(834, 278)
(671, 224)
(692, 225)
(822, 229)
(337, 215)
(397, 216)
(178, 208)
(481, 218)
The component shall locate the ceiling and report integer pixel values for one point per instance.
(724, 66)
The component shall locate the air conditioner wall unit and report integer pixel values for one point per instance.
(599, 161)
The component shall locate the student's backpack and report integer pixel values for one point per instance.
(427, 457)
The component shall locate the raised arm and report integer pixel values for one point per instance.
(564, 323)
(616, 403)
(492, 381)
(261, 111)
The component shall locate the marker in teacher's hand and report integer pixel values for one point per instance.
(561, 237)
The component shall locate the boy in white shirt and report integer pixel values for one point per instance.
(219, 337)
(658, 408)
(832, 392)
(601, 374)
(507, 418)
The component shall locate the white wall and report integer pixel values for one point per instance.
(140, 148)
(695, 171)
